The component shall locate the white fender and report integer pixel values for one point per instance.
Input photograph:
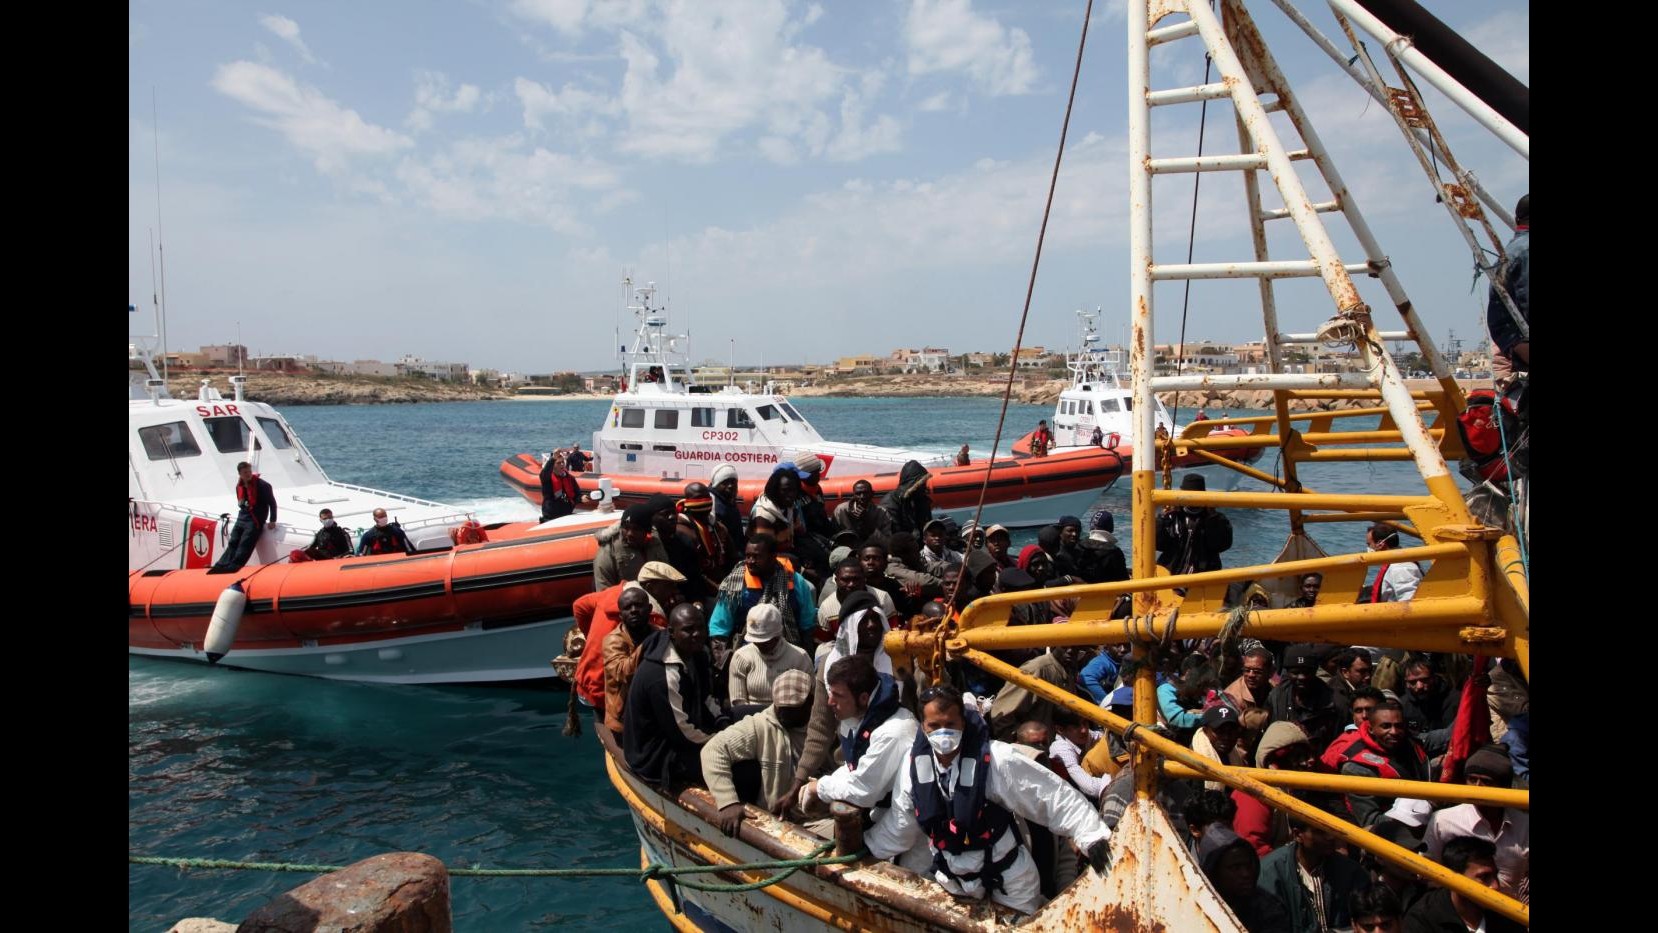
(227, 617)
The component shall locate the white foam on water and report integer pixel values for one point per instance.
(500, 509)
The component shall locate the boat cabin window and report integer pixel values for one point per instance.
(738, 418)
(278, 435)
(792, 413)
(1108, 404)
(171, 440)
(1128, 404)
(667, 419)
(633, 417)
(702, 417)
(229, 434)
(770, 413)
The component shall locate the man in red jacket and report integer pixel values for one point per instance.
(598, 614)
(1283, 747)
(255, 512)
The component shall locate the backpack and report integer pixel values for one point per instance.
(1483, 426)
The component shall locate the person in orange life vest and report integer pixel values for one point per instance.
(762, 577)
(597, 615)
(331, 540)
(1041, 439)
(386, 537)
(559, 490)
(1384, 748)
(255, 512)
(696, 530)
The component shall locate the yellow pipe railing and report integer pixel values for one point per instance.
(1150, 742)
(1278, 500)
(1380, 787)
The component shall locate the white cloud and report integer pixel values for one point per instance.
(432, 96)
(943, 100)
(572, 17)
(701, 76)
(504, 178)
(312, 122)
(855, 140)
(288, 31)
(540, 101)
(947, 36)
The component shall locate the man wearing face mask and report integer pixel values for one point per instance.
(875, 731)
(762, 659)
(331, 540)
(773, 739)
(958, 793)
(386, 537)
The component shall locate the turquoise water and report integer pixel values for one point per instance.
(241, 765)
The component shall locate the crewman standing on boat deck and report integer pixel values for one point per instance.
(255, 512)
(1041, 439)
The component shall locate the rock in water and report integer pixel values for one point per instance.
(401, 892)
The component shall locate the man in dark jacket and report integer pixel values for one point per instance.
(1303, 699)
(1385, 749)
(1191, 538)
(1446, 910)
(727, 511)
(1516, 275)
(1311, 854)
(910, 504)
(255, 512)
(1430, 704)
(670, 712)
(331, 540)
(386, 537)
(1233, 868)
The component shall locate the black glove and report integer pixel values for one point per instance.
(1099, 855)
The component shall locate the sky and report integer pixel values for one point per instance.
(470, 181)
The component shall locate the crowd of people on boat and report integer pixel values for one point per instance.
(748, 657)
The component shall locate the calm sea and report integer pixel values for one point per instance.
(239, 765)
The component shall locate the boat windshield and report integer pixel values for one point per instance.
(770, 413)
(277, 434)
(229, 434)
(794, 415)
(172, 439)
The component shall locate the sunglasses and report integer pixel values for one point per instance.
(941, 690)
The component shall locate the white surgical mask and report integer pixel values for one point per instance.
(328, 523)
(944, 741)
(381, 522)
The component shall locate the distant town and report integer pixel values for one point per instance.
(1199, 357)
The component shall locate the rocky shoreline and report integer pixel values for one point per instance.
(282, 390)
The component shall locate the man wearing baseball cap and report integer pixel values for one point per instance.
(1217, 740)
(1302, 698)
(773, 739)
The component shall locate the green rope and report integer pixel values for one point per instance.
(654, 870)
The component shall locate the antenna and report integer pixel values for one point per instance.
(155, 136)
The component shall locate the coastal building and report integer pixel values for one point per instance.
(1034, 357)
(446, 372)
(860, 365)
(224, 354)
(926, 359)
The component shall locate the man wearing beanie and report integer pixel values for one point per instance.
(1505, 827)
(707, 539)
(1191, 538)
(727, 512)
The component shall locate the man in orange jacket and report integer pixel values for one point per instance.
(598, 614)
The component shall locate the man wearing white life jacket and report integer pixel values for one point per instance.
(1395, 582)
(960, 791)
(876, 733)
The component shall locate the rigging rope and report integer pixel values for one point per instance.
(785, 867)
